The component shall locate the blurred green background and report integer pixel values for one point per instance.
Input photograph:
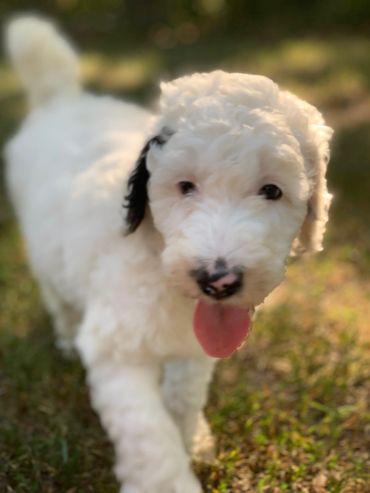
(290, 410)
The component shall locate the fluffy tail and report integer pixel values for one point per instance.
(46, 63)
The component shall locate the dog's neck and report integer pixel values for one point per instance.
(148, 236)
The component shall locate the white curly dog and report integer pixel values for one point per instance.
(154, 236)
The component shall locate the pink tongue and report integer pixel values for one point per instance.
(220, 329)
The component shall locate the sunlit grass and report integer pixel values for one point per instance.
(120, 73)
(326, 71)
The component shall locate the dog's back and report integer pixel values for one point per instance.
(67, 165)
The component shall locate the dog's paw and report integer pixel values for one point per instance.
(203, 447)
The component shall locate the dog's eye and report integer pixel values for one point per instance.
(186, 187)
(271, 192)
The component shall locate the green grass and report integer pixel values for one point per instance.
(291, 410)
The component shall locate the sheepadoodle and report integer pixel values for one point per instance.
(153, 237)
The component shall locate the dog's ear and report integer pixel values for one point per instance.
(311, 235)
(136, 199)
(314, 138)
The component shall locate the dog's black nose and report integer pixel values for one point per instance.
(219, 284)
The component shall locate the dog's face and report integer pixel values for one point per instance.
(235, 174)
(228, 202)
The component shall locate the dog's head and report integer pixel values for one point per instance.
(234, 181)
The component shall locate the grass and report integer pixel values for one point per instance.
(291, 410)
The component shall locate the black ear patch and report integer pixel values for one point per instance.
(136, 200)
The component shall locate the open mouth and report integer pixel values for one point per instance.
(220, 328)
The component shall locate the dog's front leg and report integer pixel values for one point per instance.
(185, 389)
(150, 455)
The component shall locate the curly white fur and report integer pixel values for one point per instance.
(126, 302)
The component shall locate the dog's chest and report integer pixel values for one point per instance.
(169, 330)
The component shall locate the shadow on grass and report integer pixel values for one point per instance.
(349, 179)
(349, 170)
(51, 441)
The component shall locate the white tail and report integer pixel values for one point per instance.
(46, 63)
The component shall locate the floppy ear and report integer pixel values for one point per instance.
(314, 137)
(311, 235)
(136, 200)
